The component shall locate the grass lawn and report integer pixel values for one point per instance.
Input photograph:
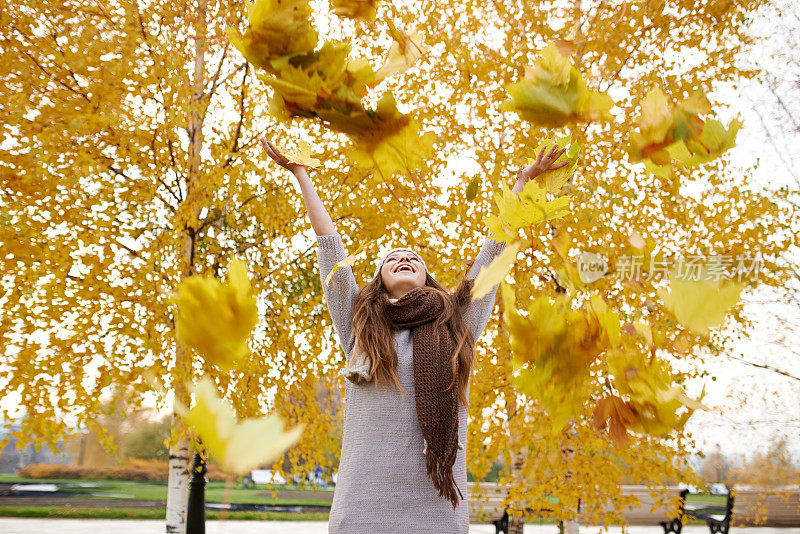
(215, 491)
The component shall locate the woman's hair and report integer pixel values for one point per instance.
(374, 334)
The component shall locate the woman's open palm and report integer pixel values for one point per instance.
(544, 162)
(273, 152)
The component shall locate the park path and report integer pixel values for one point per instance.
(10, 525)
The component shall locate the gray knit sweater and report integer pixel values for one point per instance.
(382, 485)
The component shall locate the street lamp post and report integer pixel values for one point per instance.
(196, 507)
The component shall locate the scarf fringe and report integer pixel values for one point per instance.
(442, 476)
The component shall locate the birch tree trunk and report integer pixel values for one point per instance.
(179, 456)
(516, 523)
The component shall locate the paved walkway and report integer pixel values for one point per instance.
(118, 526)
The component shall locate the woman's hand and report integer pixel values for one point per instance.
(544, 162)
(273, 152)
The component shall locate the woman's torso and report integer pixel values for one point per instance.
(382, 483)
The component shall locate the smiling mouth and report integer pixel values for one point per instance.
(404, 268)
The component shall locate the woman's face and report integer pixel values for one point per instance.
(401, 272)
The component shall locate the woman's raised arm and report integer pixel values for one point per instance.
(321, 221)
(340, 293)
(478, 312)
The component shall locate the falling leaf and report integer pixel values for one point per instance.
(216, 319)
(648, 383)
(277, 28)
(238, 446)
(490, 276)
(700, 304)
(675, 134)
(349, 261)
(472, 188)
(553, 93)
(355, 9)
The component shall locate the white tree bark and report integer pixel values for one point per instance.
(177, 486)
(179, 457)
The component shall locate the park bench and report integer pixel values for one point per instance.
(772, 508)
(658, 509)
(754, 507)
(717, 518)
(487, 506)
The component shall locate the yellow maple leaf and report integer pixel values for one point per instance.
(301, 155)
(700, 304)
(216, 319)
(553, 93)
(529, 208)
(490, 276)
(238, 446)
(277, 28)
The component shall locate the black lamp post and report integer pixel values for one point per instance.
(196, 508)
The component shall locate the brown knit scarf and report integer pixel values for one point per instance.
(437, 409)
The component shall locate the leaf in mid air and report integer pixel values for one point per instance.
(529, 208)
(712, 142)
(653, 397)
(354, 9)
(553, 93)
(238, 446)
(553, 348)
(670, 134)
(700, 304)
(404, 52)
(617, 415)
(216, 319)
(490, 276)
(472, 188)
(277, 28)
(349, 261)
(399, 152)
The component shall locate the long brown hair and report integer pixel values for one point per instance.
(374, 335)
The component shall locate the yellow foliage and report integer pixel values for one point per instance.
(670, 134)
(277, 28)
(329, 85)
(301, 155)
(355, 9)
(653, 399)
(349, 261)
(554, 346)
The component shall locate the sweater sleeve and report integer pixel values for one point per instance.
(340, 293)
(482, 309)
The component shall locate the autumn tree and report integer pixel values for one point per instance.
(132, 163)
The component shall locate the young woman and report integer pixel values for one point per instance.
(409, 346)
